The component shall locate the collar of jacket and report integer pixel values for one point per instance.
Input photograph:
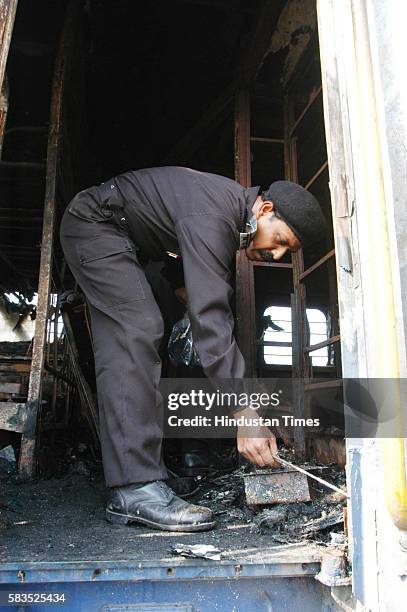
(249, 228)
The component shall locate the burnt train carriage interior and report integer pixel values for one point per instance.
(225, 86)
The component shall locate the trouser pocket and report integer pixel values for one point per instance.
(110, 270)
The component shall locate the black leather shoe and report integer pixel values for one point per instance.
(156, 505)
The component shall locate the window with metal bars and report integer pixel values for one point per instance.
(277, 336)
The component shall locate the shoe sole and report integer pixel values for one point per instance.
(125, 519)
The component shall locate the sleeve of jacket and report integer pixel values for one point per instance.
(208, 246)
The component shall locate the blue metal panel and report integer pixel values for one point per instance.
(199, 595)
(181, 586)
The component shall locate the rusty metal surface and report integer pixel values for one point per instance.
(279, 487)
(245, 296)
(300, 360)
(298, 367)
(302, 365)
(242, 138)
(27, 452)
(3, 118)
(7, 15)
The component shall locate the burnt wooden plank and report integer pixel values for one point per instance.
(282, 487)
(15, 368)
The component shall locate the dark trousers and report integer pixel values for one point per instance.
(127, 327)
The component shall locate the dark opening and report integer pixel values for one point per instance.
(144, 79)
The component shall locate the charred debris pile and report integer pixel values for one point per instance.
(319, 520)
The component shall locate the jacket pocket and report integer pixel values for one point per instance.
(111, 271)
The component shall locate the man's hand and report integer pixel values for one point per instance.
(257, 444)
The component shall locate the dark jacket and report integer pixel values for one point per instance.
(197, 216)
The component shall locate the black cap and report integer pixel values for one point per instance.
(299, 209)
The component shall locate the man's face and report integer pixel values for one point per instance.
(273, 237)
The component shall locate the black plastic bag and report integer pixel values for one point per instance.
(181, 344)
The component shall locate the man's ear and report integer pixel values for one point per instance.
(265, 208)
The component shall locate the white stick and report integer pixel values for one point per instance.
(324, 482)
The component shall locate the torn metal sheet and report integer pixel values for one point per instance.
(202, 551)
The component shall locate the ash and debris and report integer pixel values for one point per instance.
(283, 523)
(61, 516)
(61, 462)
